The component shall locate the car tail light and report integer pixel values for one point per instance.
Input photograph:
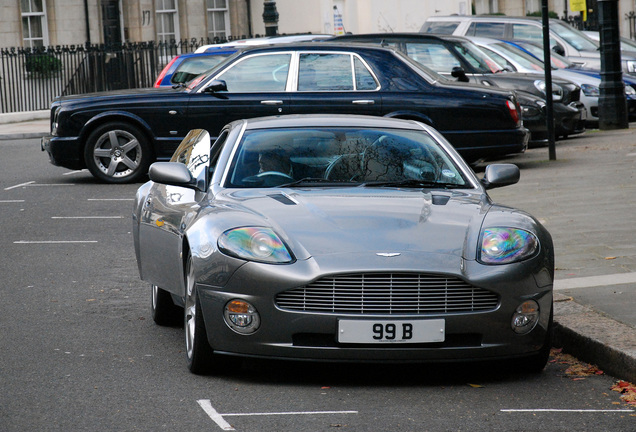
(515, 112)
(164, 72)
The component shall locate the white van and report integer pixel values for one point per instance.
(564, 39)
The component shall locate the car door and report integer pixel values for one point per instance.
(256, 86)
(166, 213)
(335, 82)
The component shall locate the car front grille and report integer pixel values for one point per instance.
(387, 293)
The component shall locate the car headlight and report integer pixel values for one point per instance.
(629, 90)
(254, 244)
(557, 90)
(507, 245)
(590, 90)
(631, 66)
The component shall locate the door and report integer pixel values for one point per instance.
(111, 22)
(337, 83)
(256, 87)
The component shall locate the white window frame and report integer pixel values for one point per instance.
(212, 32)
(160, 13)
(27, 38)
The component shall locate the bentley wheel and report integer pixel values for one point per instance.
(163, 310)
(199, 352)
(117, 153)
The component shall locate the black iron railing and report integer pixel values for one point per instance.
(31, 78)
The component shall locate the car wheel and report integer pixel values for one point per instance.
(537, 362)
(164, 311)
(117, 153)
(199, 352)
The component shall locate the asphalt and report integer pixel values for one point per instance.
(586, 197)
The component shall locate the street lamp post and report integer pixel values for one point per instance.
(270, 18)
(612, 104)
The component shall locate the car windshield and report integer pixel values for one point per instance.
(194, 66)
(573, 36)
(440, 58)
(332, 157)
(526, 60)
(192, 84)
(557, 61)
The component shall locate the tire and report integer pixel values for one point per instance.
(199, 353)
(118, 152)
(163, 310)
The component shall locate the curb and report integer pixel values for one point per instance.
(595, 338)
(24, 116)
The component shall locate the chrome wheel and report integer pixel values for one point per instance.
(190, 313)
(117, 153)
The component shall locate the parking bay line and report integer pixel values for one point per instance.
(87, 217)
(568, 410)
(53, 241)
(595, 281)
(220, 421)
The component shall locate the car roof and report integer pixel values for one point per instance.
(322, 46)
(485, 18)
(329, 120)
(402, 35)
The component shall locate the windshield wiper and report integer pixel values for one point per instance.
(412, 183)
(312, 180)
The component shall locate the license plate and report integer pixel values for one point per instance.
(391, 331)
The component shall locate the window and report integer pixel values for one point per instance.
(333, 72)
(218, 19)
(167, 20)
(486, 29)
(34, 26)
(260, 73)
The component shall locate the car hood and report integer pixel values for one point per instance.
(327, 221)
(118, 94)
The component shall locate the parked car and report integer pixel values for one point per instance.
(117, 135)
(514, 57)
(564, 39)
(626, 44)
(184, 67)
(372, 240)
(457, 57)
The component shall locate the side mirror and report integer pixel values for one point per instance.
(216, 86)
(171, 174)
(559, 50)
(459, 73)
(498, 175)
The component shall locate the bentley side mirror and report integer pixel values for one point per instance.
(459, 73)
(216, 86)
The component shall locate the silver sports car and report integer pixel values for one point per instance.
(345, 238)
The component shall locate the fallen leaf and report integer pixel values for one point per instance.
(475, 385)
(610, 258)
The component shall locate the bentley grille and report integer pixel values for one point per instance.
(388, 293)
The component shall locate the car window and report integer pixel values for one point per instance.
(434, 55)
(258, 73)
(530, 33)
(439, 27)
(573, 36)
(339, 156)
(486, 29)
(522, 58)
(364, 78)
(325, 72)
(193, 66)
(500, 59)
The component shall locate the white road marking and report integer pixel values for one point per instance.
(53, 241)
(87, 217)
(19, 185)
(49, 184)
(595, 281)
(220, 421)
(11, 201)
(111, 199)
(570, 410)
(215, 416)
(74, 172)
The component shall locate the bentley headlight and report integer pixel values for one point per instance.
(557, 90)
(254, 244)
(590, 90)
(507, 245)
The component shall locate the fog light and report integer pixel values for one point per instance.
(241, 317)
(525, 317)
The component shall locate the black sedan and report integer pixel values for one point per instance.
(348, 238)
(458, 57)
(118, 135)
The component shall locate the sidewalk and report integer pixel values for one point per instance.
(587, 199)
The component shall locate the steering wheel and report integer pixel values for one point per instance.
(268, 179)
(278, 69)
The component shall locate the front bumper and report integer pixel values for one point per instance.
(484, 335)
(63, 151)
